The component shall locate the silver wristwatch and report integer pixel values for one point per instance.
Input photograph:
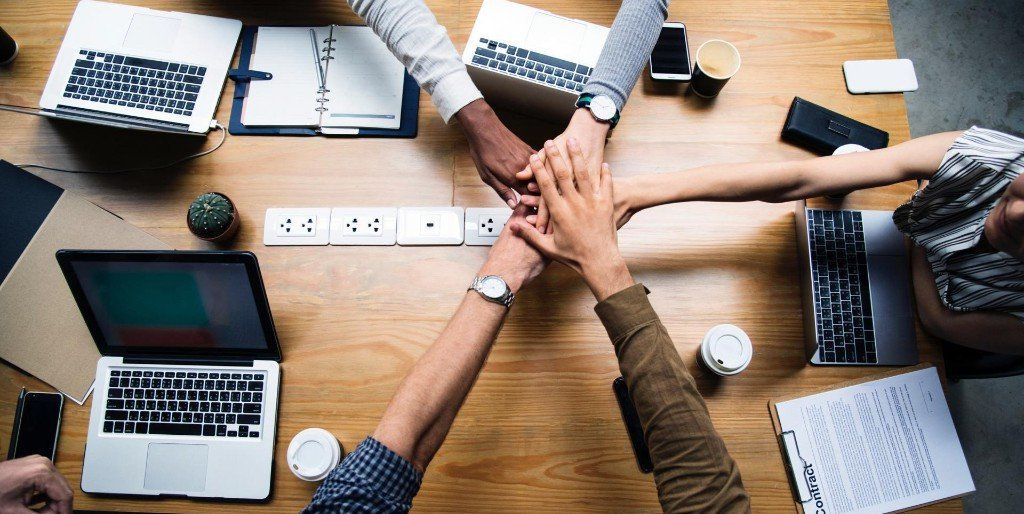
(494, 289)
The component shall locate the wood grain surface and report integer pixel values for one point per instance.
(541, 431)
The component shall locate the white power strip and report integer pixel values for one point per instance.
(383, 226)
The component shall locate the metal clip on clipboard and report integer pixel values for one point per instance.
(795, 466)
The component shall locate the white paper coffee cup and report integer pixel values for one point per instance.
(313, 454)
(726, 350)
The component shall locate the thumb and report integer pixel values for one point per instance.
(543, 243)
(506, 193)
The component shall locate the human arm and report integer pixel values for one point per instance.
(414, 36)
(626, 51)
(787, 180)
(23, 481)
(417, 420)
(990, 331)
(692, 468)
(383, 474)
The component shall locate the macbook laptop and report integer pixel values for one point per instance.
(856, 288)
(531, 60)
(186, 392)
(139, 68)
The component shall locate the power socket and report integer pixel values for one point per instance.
(430, 226)
(364, 226)
(297, 226)
(484, 225)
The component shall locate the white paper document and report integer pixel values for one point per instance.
(881, 446)
(337, 79)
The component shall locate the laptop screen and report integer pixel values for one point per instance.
(172, 305)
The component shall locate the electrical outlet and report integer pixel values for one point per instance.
(297, 226)
(430, 226)
(364, 226)
(484, 225)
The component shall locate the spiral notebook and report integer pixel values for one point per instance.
(334, 80)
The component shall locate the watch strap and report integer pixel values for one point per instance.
(505, 299)
(584, 101)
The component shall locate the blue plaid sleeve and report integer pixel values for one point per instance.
(371, 479)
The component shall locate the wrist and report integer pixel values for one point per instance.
(473, 114)
(512, 277)
(606, 276)
(590, 126)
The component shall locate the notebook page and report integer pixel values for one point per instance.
(289, 98)
(364, 82)
(881, 446)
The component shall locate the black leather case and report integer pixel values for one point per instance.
(822, 131)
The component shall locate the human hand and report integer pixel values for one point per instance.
(496, 151)
(583, 232)
(24, 480)
(590, 135)
(511, 258)
(624, 190)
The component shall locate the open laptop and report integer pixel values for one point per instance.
(531, 60)
(186, 392)
(138, 68)
(856, 288)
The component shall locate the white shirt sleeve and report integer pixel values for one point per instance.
(414, 36)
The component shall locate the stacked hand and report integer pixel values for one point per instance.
(512, 258)
(497, 152)
(30, 480)
(582, 229)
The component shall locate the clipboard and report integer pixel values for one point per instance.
(243, 75)
(792, 459)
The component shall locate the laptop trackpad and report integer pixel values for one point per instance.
(152, 33)
(176, 467)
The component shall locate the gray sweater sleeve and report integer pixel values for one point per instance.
(627, 49)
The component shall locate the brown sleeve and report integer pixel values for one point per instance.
(692, 468)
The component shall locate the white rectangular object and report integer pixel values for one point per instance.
(880, 76)
(297, 226)
(880, 446)
(149, 40)
(483, 225)
(364, 226)
(430, 226)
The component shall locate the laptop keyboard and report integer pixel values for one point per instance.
(173, 402)
(533, 66)
(839, 277)
(134, 82)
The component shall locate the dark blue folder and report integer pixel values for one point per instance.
(243, 75)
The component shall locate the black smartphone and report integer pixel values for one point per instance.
(633, 426)
(670, 59)
(36, 425)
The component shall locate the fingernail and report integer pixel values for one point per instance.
(511, 203)
(532, 218)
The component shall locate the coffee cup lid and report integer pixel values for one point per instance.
(313, 453)
(726, 349)
(849, 148)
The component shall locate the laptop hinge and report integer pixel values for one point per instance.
(189, 361)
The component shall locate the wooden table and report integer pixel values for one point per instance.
(541, 430)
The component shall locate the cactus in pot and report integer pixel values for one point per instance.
(212, 216)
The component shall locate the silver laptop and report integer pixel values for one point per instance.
(138, 68)
(856, 288)
(186, 392)
(531, 61)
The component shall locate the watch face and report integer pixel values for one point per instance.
(492, 287)
(602, 107)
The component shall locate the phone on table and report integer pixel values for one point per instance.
(634, 428)
(670, 59)
(880, 76)
(36, 425)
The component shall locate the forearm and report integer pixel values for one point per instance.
(414, 36)
(627, 49)
(988, 331)
(692, 468)
(420, 414)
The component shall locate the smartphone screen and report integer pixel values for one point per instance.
(38, 425)
(671, 55)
